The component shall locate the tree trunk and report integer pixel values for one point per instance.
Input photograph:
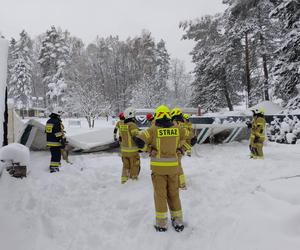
(247, 69)
(266, 73)
(226, 92)
(88, 118)
(266, 78)
(45, 95)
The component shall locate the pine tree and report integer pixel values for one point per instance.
(239, 24)
(286, 71)
(11, 57)
(151, 87)
(162, 72)
(20, 72)
(216, 77)
(54, 56)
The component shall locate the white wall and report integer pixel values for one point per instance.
(3, 75)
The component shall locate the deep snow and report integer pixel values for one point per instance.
(232, 202)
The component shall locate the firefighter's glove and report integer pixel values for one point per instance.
(179, 151)
(256, 139)
(248, 123)
(139, 142)
(63, 142)
(115, 137)
(193, 141)
(153, 152)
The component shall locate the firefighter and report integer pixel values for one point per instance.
(117, 127)
(177, 118)
(129, 151)
(189, 126)
(55, 138)
(164, 140)
(257, 134)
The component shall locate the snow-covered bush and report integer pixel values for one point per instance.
(285, 131)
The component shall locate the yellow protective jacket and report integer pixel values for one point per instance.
(126, 132)
(258, 125)
(186, 143)
(166, 142)
(189, 127)
(117, 127)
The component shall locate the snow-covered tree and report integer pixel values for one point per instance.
(154, 62)
(11, 57)
(143, 95)
(179, 82)
(85, 94)
(216, 77)
(54, 56)
(249, 20)
(38, 88)
(287, 68)
(160, 79)
(20, 69)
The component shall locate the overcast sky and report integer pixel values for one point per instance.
(88, 18)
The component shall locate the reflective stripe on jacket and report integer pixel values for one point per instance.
(127, 131)
(164, 141)
(54, 130)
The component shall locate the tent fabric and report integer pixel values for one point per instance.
(33, 136)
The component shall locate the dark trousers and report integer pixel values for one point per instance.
(55, 157)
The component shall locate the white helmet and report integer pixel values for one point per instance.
(129, 113)
(57, 111)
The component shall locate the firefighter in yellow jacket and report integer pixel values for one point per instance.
(189, 126)
(164, 139)
(129, 151)
(177, 118)
(257, 135)
(117, 127)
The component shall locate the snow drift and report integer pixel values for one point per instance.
(16, 153)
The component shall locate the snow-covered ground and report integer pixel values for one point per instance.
(232, 202)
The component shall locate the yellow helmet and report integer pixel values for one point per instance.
(186, 116)
(258, 111)
(176, 111)
(261, 111)
(161, 112)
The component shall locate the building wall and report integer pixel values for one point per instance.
(3, 75)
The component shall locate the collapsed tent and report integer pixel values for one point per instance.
(221, 133)
(33, 136)
(207, 130)
(97, 140)
(222, 129)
